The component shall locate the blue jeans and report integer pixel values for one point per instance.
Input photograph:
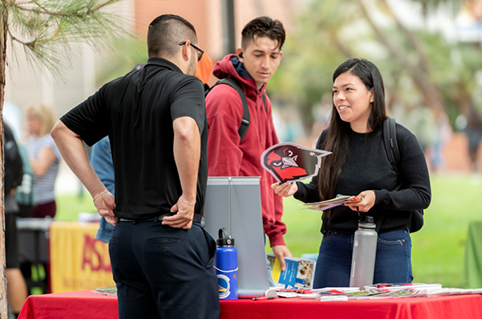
(392, 265)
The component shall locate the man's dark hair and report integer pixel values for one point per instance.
(263, 27)
(165, 32)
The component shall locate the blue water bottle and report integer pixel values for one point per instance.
(226, 266)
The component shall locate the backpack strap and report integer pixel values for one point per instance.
(393, 153)
(243, 128)
(390, 141)
(391, 144)
(394, 140)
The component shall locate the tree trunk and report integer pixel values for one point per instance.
(3, 280)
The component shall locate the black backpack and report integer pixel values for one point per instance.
(243, 128)
(393, 153)
(13, 161)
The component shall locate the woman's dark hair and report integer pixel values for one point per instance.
(263, 27)
(337, 137)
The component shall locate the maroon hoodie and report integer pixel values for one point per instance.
(227, 156)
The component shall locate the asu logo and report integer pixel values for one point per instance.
(224, 286)
(292, 162)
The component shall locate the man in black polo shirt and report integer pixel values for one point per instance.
(162, 260)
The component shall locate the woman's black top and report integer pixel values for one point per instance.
(367, 168)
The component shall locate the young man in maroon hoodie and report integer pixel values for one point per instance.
(252, 66)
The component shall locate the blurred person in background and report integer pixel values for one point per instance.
(24, 193)
(44, 158)
(101, 161)
(360, 166)
(204, 68)
(473, 130)
(16, 286)
(443, 135)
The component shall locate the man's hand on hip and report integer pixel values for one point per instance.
(183, 218)
(105, 204)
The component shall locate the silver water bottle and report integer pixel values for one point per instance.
(364, 253)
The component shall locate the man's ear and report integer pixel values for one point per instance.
(239, 53)
(185, 51)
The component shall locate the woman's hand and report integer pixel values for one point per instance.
(286, 189)
(368, 200)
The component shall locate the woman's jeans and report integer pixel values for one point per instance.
(392, 265)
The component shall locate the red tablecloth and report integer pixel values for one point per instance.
(85, 304)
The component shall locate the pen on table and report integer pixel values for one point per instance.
(263, 298)
(383, 285)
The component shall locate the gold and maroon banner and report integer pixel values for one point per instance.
(78, 261)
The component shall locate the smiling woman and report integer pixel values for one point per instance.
(353, 101)
(359, 166)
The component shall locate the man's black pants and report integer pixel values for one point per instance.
(164, 272)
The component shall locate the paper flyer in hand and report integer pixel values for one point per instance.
(299, 272)
(330, 203)
(292, 162)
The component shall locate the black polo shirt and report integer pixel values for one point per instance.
(137, 112)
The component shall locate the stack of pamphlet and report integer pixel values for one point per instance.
(417, 290)
(371, 292)
(108, 291)
(330, 203)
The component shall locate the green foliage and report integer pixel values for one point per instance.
(122, 60)
(69, 206)
(438, 249)
(311, 56)
(47, 30)
(327, 33)
(431, 5)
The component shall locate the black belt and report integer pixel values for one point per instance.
(196, 218)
